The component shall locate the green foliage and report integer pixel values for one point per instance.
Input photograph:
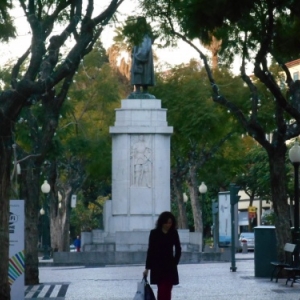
(199, 127)
(260, 32)
(286, 39)
(135, 29)
(185, 91)
(87, 218)
(7, 29)
(83, 130)
(268, 217)
(5, 73)
(255, 180)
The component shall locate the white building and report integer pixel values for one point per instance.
(243, 210)
(294, 67)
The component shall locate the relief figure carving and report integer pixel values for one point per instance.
(141, 162)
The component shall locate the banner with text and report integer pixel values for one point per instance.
(16, 250)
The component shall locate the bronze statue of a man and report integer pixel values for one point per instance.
(142, 68)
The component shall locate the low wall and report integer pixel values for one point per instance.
(129, 258)
(134, 241)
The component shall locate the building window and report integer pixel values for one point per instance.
(296, 76)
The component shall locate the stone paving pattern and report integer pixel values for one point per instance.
(204, 281)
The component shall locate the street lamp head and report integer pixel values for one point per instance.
(18, 169)
(185, 198)
(202, 188)
(294, 153)
(42, 211)
(59, 196)
(45, 188)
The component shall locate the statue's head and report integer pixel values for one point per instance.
(141, 21)
(142, 26)
(135, 29)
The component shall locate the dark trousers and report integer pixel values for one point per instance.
(164, 289)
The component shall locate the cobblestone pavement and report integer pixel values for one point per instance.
(207, 281)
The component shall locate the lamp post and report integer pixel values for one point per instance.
(185, 197)
(294, 156)
(59, 199)
(202, 190)
(45, 188)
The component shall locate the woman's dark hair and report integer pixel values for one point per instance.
(163, 219)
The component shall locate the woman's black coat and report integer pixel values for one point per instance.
(161, 259)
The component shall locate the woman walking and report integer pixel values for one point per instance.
(161, 259)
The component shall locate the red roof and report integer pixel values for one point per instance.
(293, 63)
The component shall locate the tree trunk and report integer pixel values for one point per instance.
(250, 223)
(31, 195)
(196, 204)
(60, 224)
(182, 218)
(281, 209)
(5, 164)
(214, 47)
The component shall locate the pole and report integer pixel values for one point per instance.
(234, 199)
(203, 241)
(233, 267)
(214, 209)
(46, 230)
(296, 213)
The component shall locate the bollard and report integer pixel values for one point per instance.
(245, 247)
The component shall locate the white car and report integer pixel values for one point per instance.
(72, 248)
(247, 237)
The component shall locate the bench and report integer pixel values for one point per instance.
(293, 275)
(287, 263)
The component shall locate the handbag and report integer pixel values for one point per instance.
(140, 293)
(149, 294)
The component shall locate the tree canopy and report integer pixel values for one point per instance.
(261, 33)
(42, 77)
(7, 29)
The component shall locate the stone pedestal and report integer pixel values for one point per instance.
(140, 166)
(140, 187)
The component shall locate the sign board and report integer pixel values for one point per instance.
(225, 220)
(252, 209)
(252, 212)
(16, 250)
(73, 201)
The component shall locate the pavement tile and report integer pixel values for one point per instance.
(205, 281)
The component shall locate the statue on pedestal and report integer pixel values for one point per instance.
(142, 68)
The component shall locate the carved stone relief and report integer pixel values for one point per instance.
(141, 160)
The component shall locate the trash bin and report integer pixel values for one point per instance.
(265, 250)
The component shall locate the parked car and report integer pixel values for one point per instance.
(72, 248)
(247, 237)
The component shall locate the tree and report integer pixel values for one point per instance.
(69, 152)
(7, 29)
(255, 181)
(47, 77)
(85, 144)
(255, 30)
(85, 218)
(197, 135)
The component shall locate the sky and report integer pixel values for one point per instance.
(183, 53)
(15, 48)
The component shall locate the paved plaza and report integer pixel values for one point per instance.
(207, 281)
